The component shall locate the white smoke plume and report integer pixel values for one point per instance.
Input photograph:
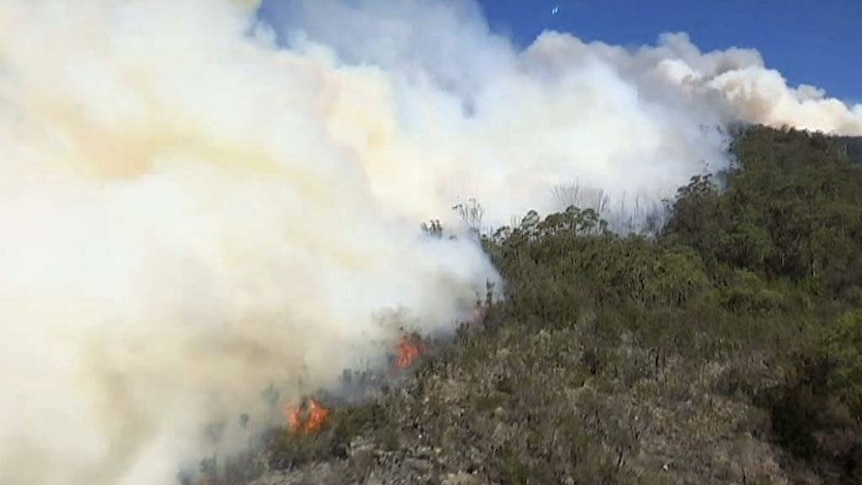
(198, 201)
(562, 121)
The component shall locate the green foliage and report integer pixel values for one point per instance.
(843, 344)
(792, 209)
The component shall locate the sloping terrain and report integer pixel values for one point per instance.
(726, 349)
(853, 146)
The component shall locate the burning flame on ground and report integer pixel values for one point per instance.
(409, 351)
(306, 419)
(309, 416)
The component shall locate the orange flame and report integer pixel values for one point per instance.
(317, 415)
(409, 351)
(306, 419)
(293, 413)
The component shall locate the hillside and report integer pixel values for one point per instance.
(853, 146)
(726, 349)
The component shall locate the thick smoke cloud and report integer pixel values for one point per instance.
(562, 121)
(199, 201)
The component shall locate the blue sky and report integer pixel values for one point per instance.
(810, 42)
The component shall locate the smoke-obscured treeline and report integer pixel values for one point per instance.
(728, 349)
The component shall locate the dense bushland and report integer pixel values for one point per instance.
(726, 348)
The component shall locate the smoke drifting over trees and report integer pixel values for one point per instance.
(202, 198)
